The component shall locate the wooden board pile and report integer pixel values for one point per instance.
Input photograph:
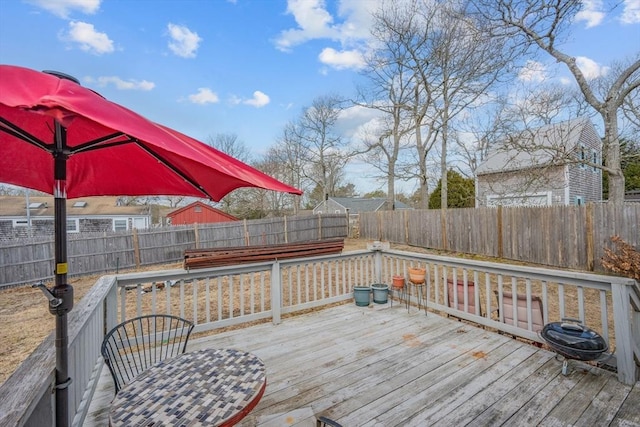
(205, 258)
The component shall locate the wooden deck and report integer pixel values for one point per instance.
(382, 366)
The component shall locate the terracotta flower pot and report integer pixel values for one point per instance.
(398, 281)
(417, 275)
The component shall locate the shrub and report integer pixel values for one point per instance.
(625, 260)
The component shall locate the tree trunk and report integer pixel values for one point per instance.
(612, 152)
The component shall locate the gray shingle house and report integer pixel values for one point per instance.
(551, 165)
(86, 214)
(355, 205)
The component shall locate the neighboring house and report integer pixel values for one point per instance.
(559, 168)
(198, 213)
(86, 214)
(354, 206)
(632, 196)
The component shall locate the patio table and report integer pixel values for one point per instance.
(213, 387)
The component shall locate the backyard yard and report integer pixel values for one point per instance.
(26, 321)
(25, 308)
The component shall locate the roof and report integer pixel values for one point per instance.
(359, 204)
(205, 206)
(84, 206)
(546, 142)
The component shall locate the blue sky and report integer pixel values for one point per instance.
(244, 67)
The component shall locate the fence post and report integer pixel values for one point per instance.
(286, 237)
(136, 248)
(196, 235)
(624, 337)
(276, 293)
(405, 215)
(589, 237)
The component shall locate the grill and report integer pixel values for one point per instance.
(573, 340)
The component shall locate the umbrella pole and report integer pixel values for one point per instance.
(62, 291)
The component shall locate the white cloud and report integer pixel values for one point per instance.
(259, 99)
(124, 84)
(341, 60)
(590, 68)
(204, 96)
(533, 71)
(313, 22)
(591, 13)
(62, 8)
(350, 28)
(88, 38)
(630, 12)
(184, 42)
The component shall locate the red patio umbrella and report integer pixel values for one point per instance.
(64, 139)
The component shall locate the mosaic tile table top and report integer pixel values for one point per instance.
(214, 387)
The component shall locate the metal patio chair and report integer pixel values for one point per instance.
(136, 344)
(326, 422)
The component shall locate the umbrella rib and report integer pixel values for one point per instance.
(173, 168)
(19, 133)
(97, 144)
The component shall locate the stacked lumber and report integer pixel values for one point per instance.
(205, 258)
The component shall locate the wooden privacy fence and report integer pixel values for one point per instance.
(27, 261)
(560, 236)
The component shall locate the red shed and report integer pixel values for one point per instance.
(200, 213)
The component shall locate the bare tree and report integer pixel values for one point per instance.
(397, 68)
(391, 86)
(543, 25)
(229, 144)
(290, 155)
(325, 150)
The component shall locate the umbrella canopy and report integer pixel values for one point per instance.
(110, 149)
(63, 139)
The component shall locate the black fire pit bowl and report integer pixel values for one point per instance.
(573, 340)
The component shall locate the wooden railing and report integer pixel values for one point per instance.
(218, 297)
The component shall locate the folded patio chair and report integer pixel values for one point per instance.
(537, 321)
(326, 422)
(137, 344)
(471, 298)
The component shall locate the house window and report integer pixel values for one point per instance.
(594, 160)
(73, 226)
(20, 222)
(197, 209)
(583, 156)
(579, 201)
(120, 225)
(139, 223)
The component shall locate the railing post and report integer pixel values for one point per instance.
(111, 307)
(276, 293)
(624, 338)
(376, 248)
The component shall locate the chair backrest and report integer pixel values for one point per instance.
(471, 296)
(138, 343)
(537, 320)
(326, 422)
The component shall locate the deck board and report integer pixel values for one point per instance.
(383, 366)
